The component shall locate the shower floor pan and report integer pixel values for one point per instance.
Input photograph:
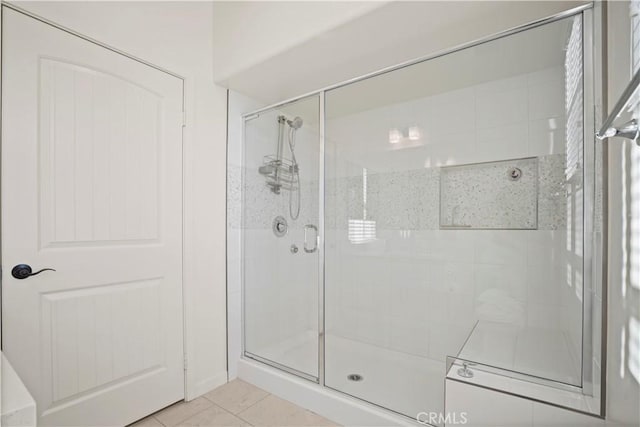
(396, 381)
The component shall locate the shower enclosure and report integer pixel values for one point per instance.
(446, 209)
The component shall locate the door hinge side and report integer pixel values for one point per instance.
(186, 365)
(184, 119)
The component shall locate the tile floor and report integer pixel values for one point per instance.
(234, 404)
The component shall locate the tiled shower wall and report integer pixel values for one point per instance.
(420, 289)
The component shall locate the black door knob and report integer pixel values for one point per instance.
(22, 271)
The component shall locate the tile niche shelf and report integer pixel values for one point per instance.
(501, 195)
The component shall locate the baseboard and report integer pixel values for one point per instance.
(208, 384)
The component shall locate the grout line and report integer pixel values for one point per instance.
(154, 417)
(193, 415)
(238, 416)
(205, 396)
(243, 419)
(255, 403)
(185, 419)
(234, 415)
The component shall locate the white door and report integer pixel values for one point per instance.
(91, 187)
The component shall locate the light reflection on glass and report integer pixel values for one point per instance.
(623, 348)
(634, 348)
(394, 136)
(414, 133)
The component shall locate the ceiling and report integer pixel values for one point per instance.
(361, 42)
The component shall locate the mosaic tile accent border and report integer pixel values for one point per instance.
(407, 200)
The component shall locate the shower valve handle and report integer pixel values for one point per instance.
(314, 248)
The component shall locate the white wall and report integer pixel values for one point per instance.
(178, 36)
(248, 32)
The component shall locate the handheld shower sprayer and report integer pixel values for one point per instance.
(282, 173)
(295, 123)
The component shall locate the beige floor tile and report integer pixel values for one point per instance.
(273, 411)
(236, 396)
(150, 421)
(214, 416)
(175, 414)
(308, 418)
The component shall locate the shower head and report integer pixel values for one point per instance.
(296, 123)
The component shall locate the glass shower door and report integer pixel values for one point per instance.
(280, 237)
(455, 219)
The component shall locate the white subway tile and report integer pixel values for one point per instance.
(546, 100)
(502, 108)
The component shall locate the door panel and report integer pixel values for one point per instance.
(92, 187)
(118, 157)
(281, 270)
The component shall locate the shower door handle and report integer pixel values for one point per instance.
(316, 237)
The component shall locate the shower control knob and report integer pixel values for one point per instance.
(279, 226)
(514, 174)
(294, 249)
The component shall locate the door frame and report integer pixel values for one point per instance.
(190, 389)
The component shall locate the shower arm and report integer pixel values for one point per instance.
(630, 129)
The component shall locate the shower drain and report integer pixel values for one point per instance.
(354, 377)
